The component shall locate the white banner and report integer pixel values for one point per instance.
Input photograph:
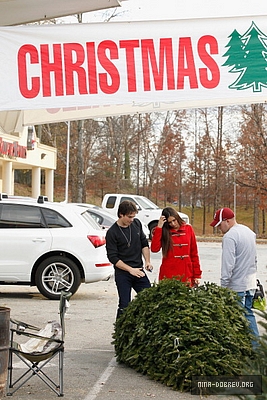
(134, 66)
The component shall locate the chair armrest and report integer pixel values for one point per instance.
(33, 335)
(23, 325)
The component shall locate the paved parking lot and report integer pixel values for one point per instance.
(90, 369)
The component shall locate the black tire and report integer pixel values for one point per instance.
(56, 274)
(152, 226)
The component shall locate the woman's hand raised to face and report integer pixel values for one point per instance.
(161, 222)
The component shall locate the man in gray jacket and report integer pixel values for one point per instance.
(239, 260)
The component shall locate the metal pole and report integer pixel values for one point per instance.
(234, 193)
(67, 164)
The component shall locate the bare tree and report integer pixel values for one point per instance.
(252, 158)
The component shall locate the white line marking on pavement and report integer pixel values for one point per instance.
(102, 380)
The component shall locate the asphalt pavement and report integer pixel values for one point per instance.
(90, 369)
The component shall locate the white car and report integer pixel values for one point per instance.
(148, 212)
(50, 245)
(105, 219)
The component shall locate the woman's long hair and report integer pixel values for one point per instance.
(166, 238)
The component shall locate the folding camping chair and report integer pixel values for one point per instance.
(41, 347)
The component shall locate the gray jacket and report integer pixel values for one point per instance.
(239, 259)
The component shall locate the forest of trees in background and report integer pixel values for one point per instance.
(212, 157)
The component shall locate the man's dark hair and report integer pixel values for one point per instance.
(127, 207)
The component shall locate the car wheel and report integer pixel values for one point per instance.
(56, 274)
(152, 226)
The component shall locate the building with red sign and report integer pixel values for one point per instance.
(20, 149)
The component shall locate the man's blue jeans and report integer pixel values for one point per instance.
(125, 282)
(246, 301)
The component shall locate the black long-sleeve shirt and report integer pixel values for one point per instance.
(120, 247)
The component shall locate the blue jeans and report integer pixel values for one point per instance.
(246, 301)
(125, 283)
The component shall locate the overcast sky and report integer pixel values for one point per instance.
(174, 9)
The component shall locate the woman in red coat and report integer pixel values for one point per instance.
(179, 248)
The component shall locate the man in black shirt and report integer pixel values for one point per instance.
(126, 244)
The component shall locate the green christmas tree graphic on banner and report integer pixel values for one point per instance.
(247, 56)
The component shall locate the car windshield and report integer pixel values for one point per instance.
(102, 219)
(146, 203)
(86, 215)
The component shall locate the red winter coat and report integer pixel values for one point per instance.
(182, 260)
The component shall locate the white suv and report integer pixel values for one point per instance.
(50, 245)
